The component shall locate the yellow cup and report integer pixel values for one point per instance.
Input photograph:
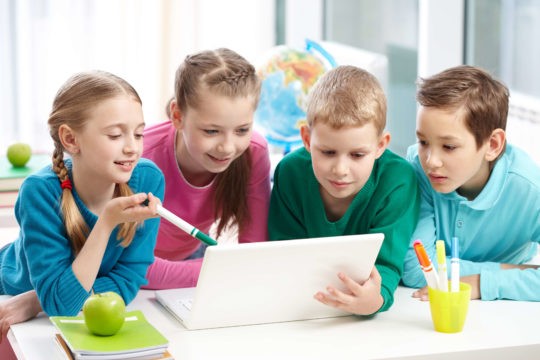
(449, 309)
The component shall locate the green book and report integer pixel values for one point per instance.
(137, 338)
(12, 177)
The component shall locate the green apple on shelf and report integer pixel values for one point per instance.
(19, 154)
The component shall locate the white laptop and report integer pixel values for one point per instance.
(273, 281)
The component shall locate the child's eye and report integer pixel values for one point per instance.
(422, 142)
(449, 147)
(210, 132)
(358, 155)
(139, 136)
(114, 137)
(243, 131)
(328, 152)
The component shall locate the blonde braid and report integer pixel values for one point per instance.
(76, 228)
(126, 231)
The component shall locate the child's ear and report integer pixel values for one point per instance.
(68, 138)
(305, 133)
(496, 143)
(384, 140)
(176, 115)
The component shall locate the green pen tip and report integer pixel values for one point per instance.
(206, 239)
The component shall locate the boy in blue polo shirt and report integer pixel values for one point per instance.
(475, 187)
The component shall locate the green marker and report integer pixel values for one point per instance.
(182, 224)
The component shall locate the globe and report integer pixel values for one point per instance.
(287, 76)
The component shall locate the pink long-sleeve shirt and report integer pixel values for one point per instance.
(196, 206)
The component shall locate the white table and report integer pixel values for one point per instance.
(493, 330)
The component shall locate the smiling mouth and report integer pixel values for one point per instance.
(125, 164)
(220, 160)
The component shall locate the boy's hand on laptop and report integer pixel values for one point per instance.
(360, 299)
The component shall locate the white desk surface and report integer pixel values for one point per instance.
(493, 330)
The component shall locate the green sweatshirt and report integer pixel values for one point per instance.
(388, 203)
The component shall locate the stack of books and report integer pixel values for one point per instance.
(137, 339)
(11, 177)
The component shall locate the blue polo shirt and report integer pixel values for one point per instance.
(501, 225)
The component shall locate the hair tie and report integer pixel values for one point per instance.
(66, 184)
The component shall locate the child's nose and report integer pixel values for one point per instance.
(130, 146)
(340, 168)
(226, 145)
(433, 160)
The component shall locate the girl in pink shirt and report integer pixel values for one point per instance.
(216, 168)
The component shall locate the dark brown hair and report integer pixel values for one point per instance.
(482, 99)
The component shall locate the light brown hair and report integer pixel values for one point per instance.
(482, 99)
(222, 72)
(72, 106)
(347, 96)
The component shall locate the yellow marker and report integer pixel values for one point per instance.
(441, 269)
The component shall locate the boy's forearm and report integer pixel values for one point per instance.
(519, 266)
(512, 284)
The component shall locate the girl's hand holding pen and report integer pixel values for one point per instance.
(130, 209)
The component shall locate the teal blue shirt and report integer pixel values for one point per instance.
(388, 203)
(41, 257)
(501, 225)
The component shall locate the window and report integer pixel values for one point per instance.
(44, 42)
(422, 37)
(390, 28)
(502, 37)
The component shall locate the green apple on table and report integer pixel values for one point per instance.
(104, 313)
(19, 154)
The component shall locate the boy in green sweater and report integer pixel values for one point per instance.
(344, 181)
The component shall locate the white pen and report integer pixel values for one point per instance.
(454, 265)
(182, 224)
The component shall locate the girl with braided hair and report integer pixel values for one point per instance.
(82, 228)
(217, 169)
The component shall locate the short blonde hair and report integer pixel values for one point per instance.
(347, 96)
